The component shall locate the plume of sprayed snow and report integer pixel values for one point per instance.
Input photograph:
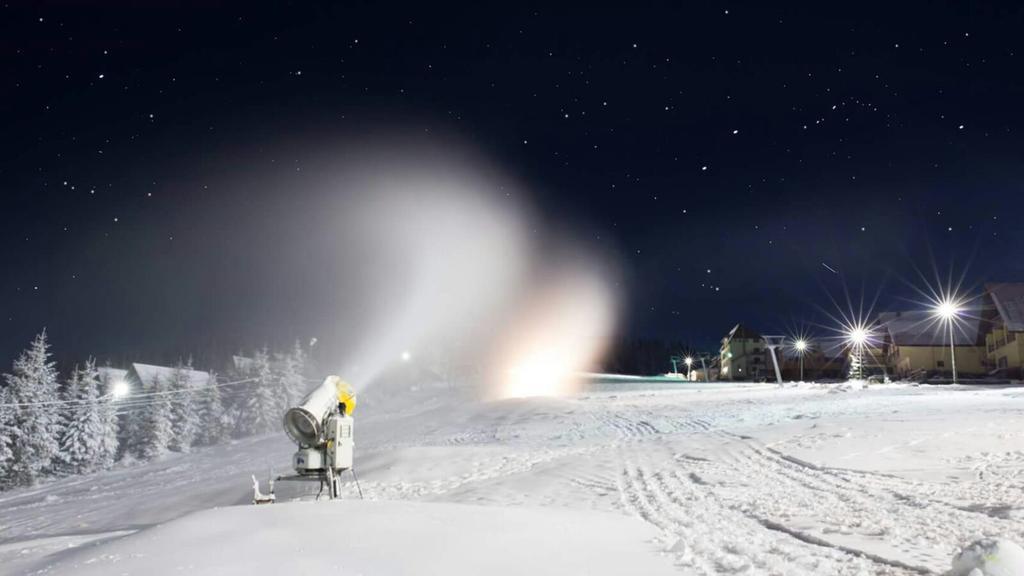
(446, 260)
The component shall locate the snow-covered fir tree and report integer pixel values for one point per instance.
(290, 367)
(154, 423)
(6, 436)
(129, 424)
(32, 389)
(82, 433)
(261, 404)
(209, 413)
(183, 408)
(856, 364)
(234, 397)
(107, 408)
(130, 413)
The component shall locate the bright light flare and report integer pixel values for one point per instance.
(548, 372)
(857, 336)
(120, 389)
(563, 332)
(947, 310)
(406, 356)
(689, 361)
(801, 345)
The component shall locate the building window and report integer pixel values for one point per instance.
(1011, 336)
(1002, 362)
(941, 363)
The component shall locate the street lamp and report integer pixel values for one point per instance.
(801, 348)
(948, 311)
(857, 338)
(120, 389)
(689, 362)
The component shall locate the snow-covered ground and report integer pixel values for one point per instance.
(696, 478)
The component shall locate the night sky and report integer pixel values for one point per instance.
(725, 153)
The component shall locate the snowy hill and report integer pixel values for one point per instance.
(722, 479)
(363, 537)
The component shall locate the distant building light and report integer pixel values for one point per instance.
(120, 389)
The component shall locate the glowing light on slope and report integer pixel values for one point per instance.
(562, 332)
(120, 389)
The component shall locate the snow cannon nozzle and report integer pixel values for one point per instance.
(304, 423)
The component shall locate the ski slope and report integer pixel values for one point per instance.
(364, 537)
(700, 479)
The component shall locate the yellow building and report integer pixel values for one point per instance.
(1004, 342)
(917, 345)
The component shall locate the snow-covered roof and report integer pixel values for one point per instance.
(1009, 300)
(921, 328)
(148, 373)
(110, 374)
(741, 331)
(244, 363)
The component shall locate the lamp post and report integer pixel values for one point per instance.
(948, 311)
(120, 389)
(801, 348)
(689, 371)
(857, 336)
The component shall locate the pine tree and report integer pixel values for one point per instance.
(7, 432)
(129, 427)
(234, 399)
(210, 414)
(293, 368)
(32, 389)
(154, 424)
(183, 409)
(261, 405)
(82, 430)
(107, 408)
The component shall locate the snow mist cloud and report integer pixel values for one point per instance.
(443, 262)
(560, 329)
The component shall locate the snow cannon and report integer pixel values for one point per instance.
(989, 557)
(322, 426)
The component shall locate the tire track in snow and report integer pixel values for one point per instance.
(849, 512)
(844, 511)
(707, 536)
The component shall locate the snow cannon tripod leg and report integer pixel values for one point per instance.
(358, 487)
(333, 484)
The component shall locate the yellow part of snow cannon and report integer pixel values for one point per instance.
(346, 396)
